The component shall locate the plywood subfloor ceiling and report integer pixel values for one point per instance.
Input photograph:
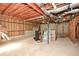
(23, 10)
(19, 10)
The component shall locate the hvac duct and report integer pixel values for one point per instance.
(43, 8)
(64, 8)
(71, 12)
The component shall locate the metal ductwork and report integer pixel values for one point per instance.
(74, 11)
(61, 9)
(43, 8)
(64, 8)
(67, 10)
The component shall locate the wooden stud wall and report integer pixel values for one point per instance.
(14, 25)
(73, 30)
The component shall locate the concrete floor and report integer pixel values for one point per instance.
(28, 47)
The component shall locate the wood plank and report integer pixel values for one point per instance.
(9, 8)
(12, 8)
(20, 10)
(6, 8)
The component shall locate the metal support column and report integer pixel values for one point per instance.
(63, 34)
(56, 25)
(48, 34)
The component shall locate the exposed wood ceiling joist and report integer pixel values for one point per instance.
(24, 11)
(14, 8)
(6, 8)
(20, 10)
(34, 18)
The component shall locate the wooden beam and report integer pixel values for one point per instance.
(19, 10)
(25, 14)
(6, 8)
(16, 7)
(36, 7)
(33, 18)
(35, 15)
(12, 8)
(30, 14)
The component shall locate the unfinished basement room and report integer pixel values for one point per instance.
(39, 29)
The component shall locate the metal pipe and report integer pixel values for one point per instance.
(43, 8)
(61, 9)
(48, 32)
(71, 12)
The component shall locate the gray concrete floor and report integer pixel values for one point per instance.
(28, 47)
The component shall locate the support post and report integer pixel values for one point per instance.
(56, 30)
(48, 26)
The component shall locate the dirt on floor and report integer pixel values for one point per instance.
(28, 47)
